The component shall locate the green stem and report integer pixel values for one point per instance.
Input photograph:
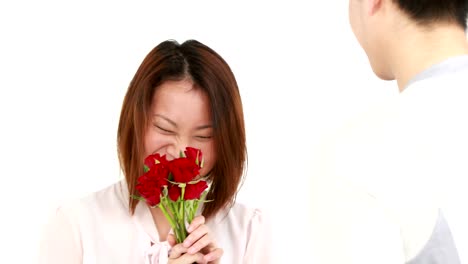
(182, 218)
(176, 228)
(194, 209)
(168, 217)
(178, 234)
(188, 209)
(175, 206)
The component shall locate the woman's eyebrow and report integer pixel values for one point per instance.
(203, 127)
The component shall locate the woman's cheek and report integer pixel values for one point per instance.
(156, 143)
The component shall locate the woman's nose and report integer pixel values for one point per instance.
(174, 149)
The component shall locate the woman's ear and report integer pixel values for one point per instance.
(373, 6)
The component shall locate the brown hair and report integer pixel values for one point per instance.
(210, 73)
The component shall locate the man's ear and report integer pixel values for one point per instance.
(373, 6)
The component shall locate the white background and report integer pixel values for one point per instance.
(65, 67)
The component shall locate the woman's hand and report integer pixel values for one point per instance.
(198, 244)
(179, 255)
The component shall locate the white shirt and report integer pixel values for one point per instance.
(99, 229)
(402, 172)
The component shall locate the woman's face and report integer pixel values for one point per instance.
(179, 118)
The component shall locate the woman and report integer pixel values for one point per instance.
(182, 95)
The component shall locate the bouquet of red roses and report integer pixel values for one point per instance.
(175, 187)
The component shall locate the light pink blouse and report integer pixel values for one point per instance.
(99, 229)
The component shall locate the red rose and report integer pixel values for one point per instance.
(159, 174)
(192, 191)
(152, 194)
(184, 170)
(194, 154)
(151, 184)
(149, 190)
(154, 159)
(174, 192)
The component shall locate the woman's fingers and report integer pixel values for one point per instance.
(188, 259)
(191, 258)
(177, 251)
(195, 235)
(214, 255)
(198, 247)
(196, 222)
(200, 244)
(171, 240)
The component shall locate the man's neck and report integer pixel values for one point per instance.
(416, 49)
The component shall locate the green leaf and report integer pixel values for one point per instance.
(195, 181)
(138, 198)
(203, 196)
(145, 168)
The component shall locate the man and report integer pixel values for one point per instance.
(410, 157)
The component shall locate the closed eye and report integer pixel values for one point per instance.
(204, 137)
(164, 130)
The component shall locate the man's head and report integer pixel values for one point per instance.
(429, 12)
(377, 24)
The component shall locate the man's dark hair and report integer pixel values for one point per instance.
(427, 12)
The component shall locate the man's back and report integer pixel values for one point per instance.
(435, 108)
(411, 158)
